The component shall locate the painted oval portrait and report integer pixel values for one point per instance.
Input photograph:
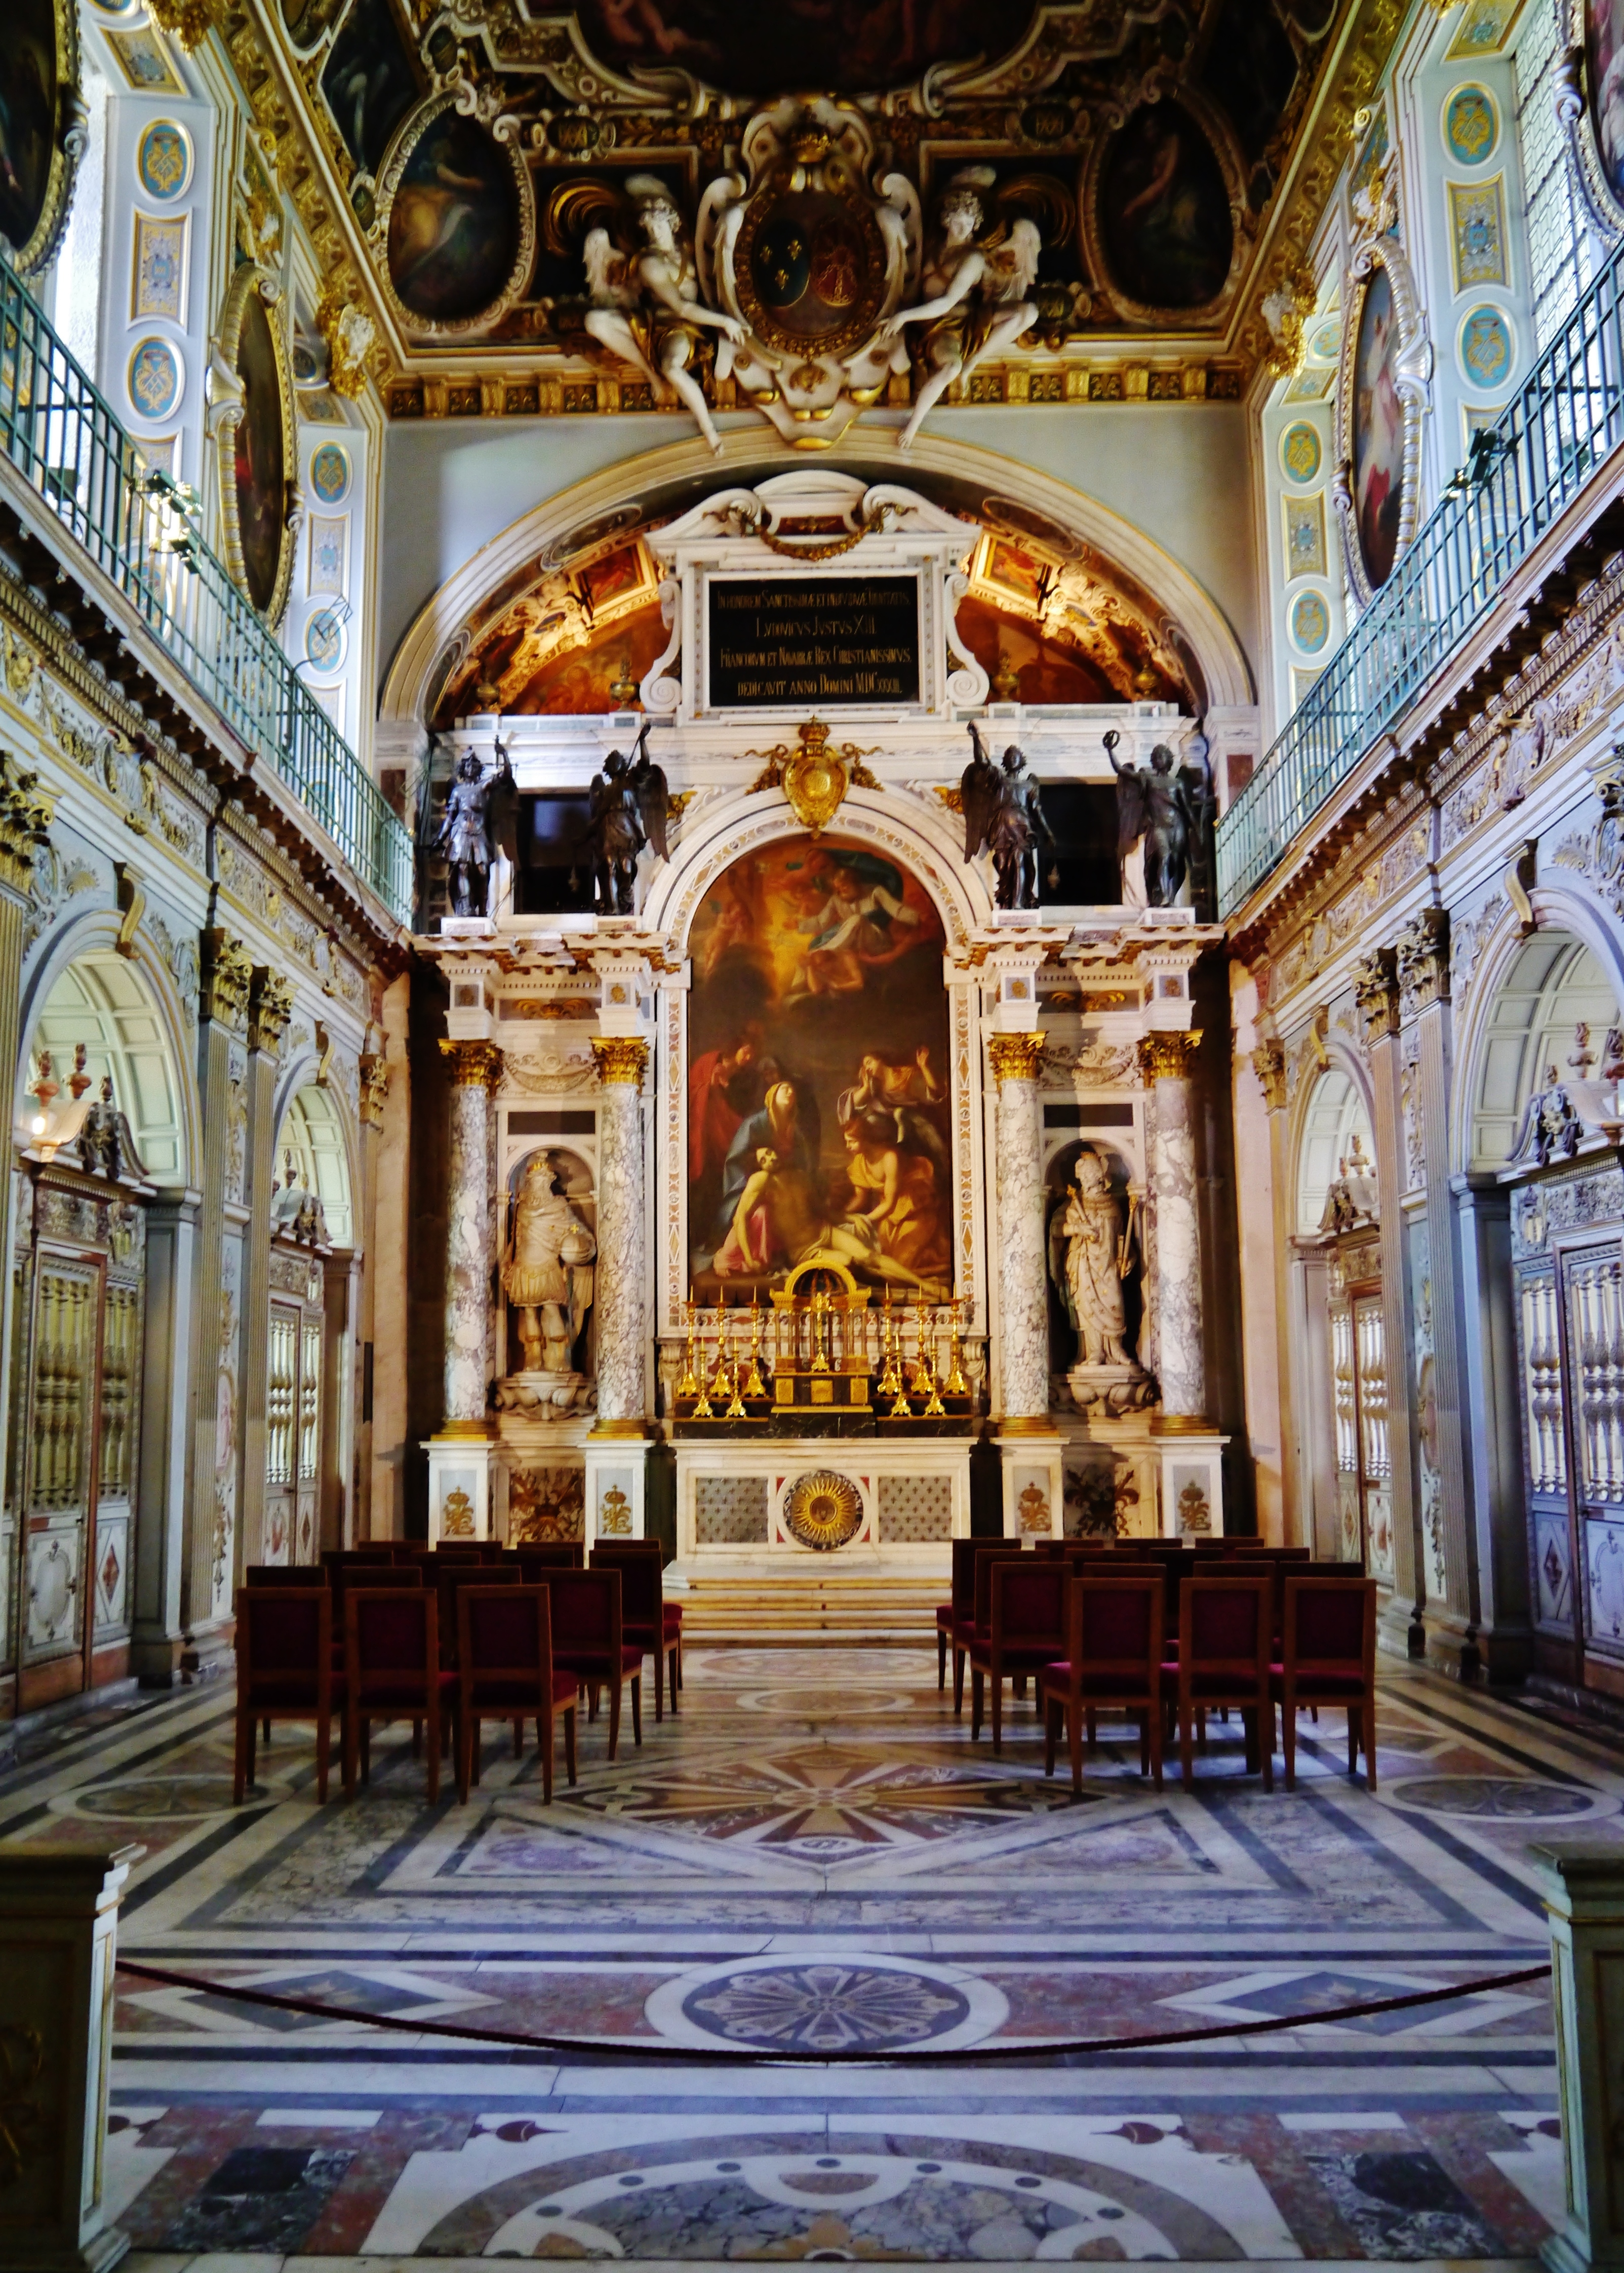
(262, 469)
(1377, 431)
(454, 226)
(28, 109)
(1604, 57)
(1164, 211)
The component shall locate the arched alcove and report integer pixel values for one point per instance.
(1554, 984)
(312, 1156)
(101, 999)
(1335, 1114)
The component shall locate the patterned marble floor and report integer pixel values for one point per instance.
(814, 1858)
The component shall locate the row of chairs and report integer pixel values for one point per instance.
(1165, 1635)
(448, 1641)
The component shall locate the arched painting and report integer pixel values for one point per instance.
(261, 465)
(1377, 431)
(35, 173)
(1164, 211)
(455, 220)
(818, 1108)
(1604, 49)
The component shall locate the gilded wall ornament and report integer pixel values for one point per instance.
(813, 776)
(250, 417)
(46, 127)
(823, 1510)
(1383, 388)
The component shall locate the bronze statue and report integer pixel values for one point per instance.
(1003, 815)
(1152, 804)
(477, 820)
(630, 806)
(1201, 795)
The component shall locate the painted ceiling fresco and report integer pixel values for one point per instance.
(1124, 158)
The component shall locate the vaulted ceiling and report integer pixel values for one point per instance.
(452, 163)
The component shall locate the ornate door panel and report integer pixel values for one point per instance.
(309, 1494)
(119, 1462)
(59, 1462)
(281, 1432)
(293, 1408)
(1592, 1279)
(1544, 1454)
(1375, 1546)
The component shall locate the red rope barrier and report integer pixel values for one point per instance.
(1060, 2048)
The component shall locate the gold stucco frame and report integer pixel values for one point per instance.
(1412, 376)
(248, 280)
(397, 158)
(67, 147)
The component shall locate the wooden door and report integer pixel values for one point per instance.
(1359, 1407)
(1592, 1283)
(308, 1483)
(281, 1415)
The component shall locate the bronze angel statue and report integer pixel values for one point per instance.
(646, 307)
(1003, 815)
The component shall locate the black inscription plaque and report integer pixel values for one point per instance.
(822, 641)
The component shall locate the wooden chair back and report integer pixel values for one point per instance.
(994, 1553)
(1116, 1626)
(449, 1583)
(391, 1641)
(551, 1554)
(285, 1643)
(504, 1640)
(1328, 1629)
(1028, 1604)
(642, 1583)
(586, 1617)
(286, 1574)
(1225, 1626)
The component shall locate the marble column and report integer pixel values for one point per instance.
(1497, 1509)
(206, 1603)
(1448, 1543)
(161, 1530)
(1023, 1292)
(374, 1087)
(1166, 1061)
(1268, 1063)
(1375, 988)
(270, 1006)
(475, 1067)
(621, 1293)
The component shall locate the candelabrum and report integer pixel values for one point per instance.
(956, 1385)
(890, 1375)
(688, 1385)
(755, 1386)
(935, 1410)
(703, 1410)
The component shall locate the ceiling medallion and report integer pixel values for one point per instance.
(823, 1510)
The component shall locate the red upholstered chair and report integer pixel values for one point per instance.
(1026, 1631)
(1114, 1642)
(392, 1671)
(457, 1550)
(407, 1551)
(1225, 1626)
(587, 1641)
(957, 1609)
(648, 1620)
(449, 1584)
(1329, 1657)
(504, 1672)
(286, 1574)
(284, 1670)
(550, 1555)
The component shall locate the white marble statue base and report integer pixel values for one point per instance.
(1110, 1390)
(1192, 1485)
(615, 1470)
(460, 1470)
(545, 1396)
(1033, 1482)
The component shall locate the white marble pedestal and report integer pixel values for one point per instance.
(1191, 1483)
(1034, 1465)
(460, 1471)
(615, 1467)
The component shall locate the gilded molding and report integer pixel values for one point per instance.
(1375, 990)
(620, 1058)
(270, 1006)
(227, 975)
(1268, 1062)
(473, 1063)
(1422, 950)
(374, 1087)
(1015, 1057)
(24, 825)
(1168, 1056)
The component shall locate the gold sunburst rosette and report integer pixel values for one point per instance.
(824, 1510)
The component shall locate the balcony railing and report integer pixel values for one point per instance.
(60, 435)
(1523, 472)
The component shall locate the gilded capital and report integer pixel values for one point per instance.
(1375, 990)
(25, 822)
(1169, 1056)
(1016, 1057)
(228, 974)
(1423, 951)
(620, 1058)
(374, 1087)
(473, 1063)
(1268, 1062)
(270, 1006)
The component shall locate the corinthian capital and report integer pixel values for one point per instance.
(473, 1063)
(1168, 1056)
(621, 1059)
(228, 974)
(1375, 990)
(25, 822)
(270, 1006)
(1268, 1062)
(1423, 951)
(1015, 1057)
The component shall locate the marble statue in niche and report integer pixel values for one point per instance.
(547, 1272)
(1092, 1247)
(1003, 815)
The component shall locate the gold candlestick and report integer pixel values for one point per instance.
(689, 1385)
(820, 1355)
(755, 1386)
(956, 1385)
(704, 1409)
(735, 1403)
(891, 1379)
(920, 1378)
(719, 1379)
(935, 1410)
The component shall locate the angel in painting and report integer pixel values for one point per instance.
(646, 306)
(975, 303)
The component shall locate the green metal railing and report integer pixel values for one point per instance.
(1523, 473)
(61, 436)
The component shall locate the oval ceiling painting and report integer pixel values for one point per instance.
(31, 166)
(261, 466)
(1604, 45)
(845, 47)
(456, 221)
(1164, 211)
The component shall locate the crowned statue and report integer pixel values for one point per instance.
(1091, 1249)
(547, 1271)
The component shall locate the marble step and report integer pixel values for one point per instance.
(796, 1612)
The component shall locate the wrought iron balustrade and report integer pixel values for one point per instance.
(1521, 474)
(59, 433)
